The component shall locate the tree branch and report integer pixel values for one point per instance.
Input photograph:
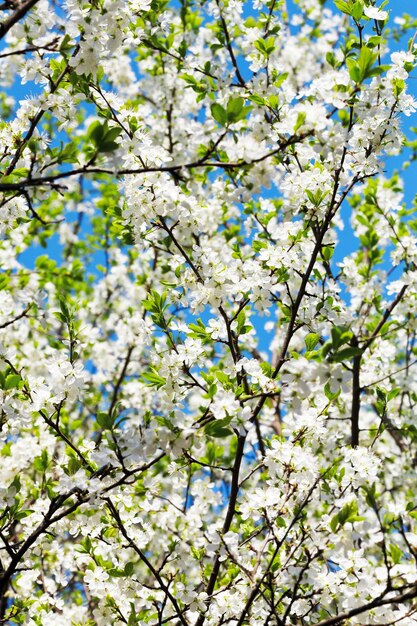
(16, 16)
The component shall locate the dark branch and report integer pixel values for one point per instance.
(16, 16)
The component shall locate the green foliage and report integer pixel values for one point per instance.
(102, 137)
(234, 112)
(348, 514)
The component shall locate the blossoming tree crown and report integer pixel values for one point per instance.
(208, 333)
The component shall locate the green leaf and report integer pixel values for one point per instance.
(133, 619)
(85, 545)
(222, 377)
(331, 59)
(153, 379)
(395, 553)
(366, 58)
(23, 513)
(41, 462)
(236, 110)
(311, 340)
(371, 496)
(113, 133)
(156, 305)
(327, 252)
(340, 336)
(73, 466)
(348, 514)
(265, 46)
(357, 11)
(105, 421)
(354, 71)
(381, 393)
(362, 68)
(12, 381)
(116, 572)
(65, 45)
(301, 118)
(344, 5)
(257, 99)
(103, 137)
(108, 146)
(96, 132)
(218, 428)
(329, 393)
(219, 113)
(241, 319)
(381, 403)
(393, 393)
(267, 369)
(199, 331)
(234, 107)
(317, 197)
(346, 354)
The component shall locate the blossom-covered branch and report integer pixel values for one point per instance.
(207, 314)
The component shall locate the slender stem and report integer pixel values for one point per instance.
(145, 560)
(234, 490)
(379, 601)
(356, 401)
(52, 178)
